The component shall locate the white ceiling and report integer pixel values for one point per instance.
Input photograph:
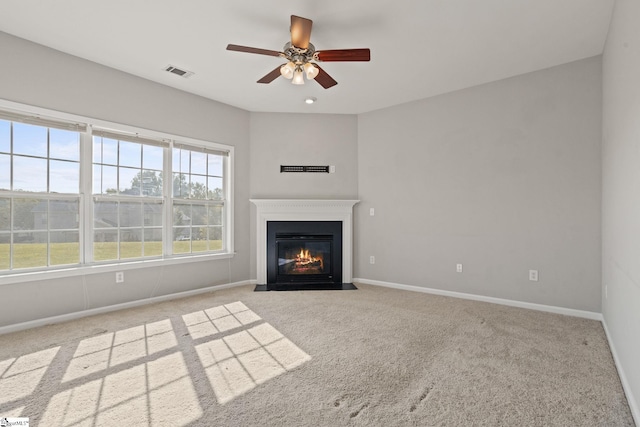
(419, 48)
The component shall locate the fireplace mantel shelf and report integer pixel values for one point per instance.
(303, 210)
(279, 204)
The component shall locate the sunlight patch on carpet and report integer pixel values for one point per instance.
(20, 376)
(239, 362)
(150, 393)
(140, 375)
(116, 348)
(219, 319)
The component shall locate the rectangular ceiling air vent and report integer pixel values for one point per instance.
(178, 71)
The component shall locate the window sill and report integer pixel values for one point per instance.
(31, 276)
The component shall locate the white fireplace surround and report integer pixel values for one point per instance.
(303, 210)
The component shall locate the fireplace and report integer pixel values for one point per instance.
(303, 244)
(304, 252)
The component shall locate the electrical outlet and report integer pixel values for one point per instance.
(120, 277)
(459, 268)
(372, 211)
(533, 275)
(372, 259)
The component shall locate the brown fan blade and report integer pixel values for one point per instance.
(271, 76)
(300, 31)
(324, 79)
(247, 49)
(344, 55)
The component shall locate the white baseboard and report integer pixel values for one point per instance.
(635, 411)
(513, 303)
(99, 310)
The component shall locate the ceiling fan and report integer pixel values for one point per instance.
(302, 56)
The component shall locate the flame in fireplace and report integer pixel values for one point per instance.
(304, 258)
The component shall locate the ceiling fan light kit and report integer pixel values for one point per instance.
(287, 70)
(310, 70)
(302, 56)
(297, 77)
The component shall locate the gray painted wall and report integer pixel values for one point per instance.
(503, 178)
(47, 78)
(302, 139)
(621, 193)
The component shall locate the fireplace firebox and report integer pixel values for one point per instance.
(304, 258)
(304, 255)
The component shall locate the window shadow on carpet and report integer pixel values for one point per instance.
(148, 373)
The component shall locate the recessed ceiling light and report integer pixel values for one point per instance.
(310, 100)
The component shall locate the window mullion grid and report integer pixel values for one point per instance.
(142, 224)
(167, 195)
(48, 164)
(11, 207)
(227, 210)
(118, 166)
(48, 230)
(118, 219)
(190, 168)
(11, 229)
(11, 160)
(86, 201)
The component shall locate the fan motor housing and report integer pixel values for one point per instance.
(297, 55)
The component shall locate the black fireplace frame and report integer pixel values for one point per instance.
(291, 229)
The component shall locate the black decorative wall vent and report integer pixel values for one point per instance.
(312, 169)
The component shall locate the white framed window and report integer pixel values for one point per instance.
(128, 196)
(39, 192)
(198, 199)
(102, 193)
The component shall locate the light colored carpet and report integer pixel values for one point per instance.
(371, 357)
